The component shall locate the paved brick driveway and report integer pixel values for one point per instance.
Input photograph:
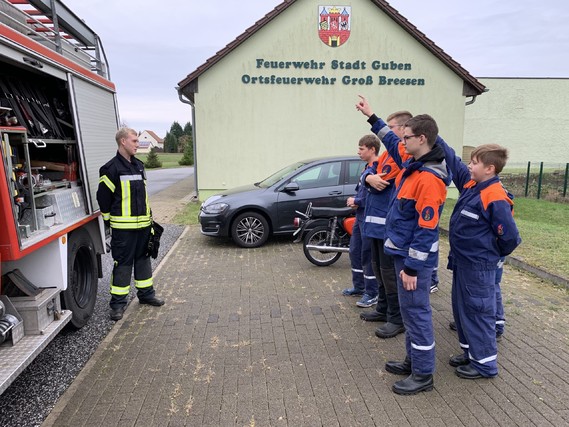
(263, 338)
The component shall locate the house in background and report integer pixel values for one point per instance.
(148, 140)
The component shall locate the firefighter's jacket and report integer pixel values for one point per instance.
(482, 227)
(122, 194)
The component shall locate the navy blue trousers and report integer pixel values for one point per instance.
(363, 277)
(418, 320)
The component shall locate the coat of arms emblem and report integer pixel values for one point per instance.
(334, 24)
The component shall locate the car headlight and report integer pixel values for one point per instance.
(215, 208)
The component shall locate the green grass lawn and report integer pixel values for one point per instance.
(189, 215)
(544, 231)
(169, 160)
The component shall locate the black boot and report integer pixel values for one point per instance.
(148, 296)
(389, 330)
(413, 384)
(155, 301)
(117, 313)
(459, 360)
(399, 368)
(373, 316)
(468, 372)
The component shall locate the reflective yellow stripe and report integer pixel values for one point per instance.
(133, 226)
(125, 219)
(130, 222)
(106, 215)
(105, 180)
(117, 290)
(146, 198)
(125, 199)
(141, 284)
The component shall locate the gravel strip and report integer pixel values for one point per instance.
(31, 397)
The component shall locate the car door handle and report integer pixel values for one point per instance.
(334, 193)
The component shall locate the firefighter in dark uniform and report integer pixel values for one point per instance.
(124, 205)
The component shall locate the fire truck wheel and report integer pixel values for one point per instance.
(81, 293)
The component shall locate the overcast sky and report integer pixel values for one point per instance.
(151, 46)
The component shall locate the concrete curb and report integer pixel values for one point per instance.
(542, 274)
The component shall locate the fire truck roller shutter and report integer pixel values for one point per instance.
(97, 123)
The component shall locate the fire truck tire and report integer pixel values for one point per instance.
(81, 293)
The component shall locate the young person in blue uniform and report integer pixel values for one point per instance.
(124, 205)
(380, 180)
(364, 281)
(412, 237)
(482, 231)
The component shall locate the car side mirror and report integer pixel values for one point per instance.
(291, 186)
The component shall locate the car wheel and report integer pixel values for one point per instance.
(319, 236)
(250, 230)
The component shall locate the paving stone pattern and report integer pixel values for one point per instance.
(262, 337)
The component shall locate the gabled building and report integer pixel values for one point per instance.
(286, 89)
(148, 140)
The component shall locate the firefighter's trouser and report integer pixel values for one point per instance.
(129, 249)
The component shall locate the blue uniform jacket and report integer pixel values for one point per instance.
(412, 227)
(361, 196)
(377, 202)
(482, 226)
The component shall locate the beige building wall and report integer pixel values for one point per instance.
(246, 131)
(528, 116)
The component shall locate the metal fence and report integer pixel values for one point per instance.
(537, 180)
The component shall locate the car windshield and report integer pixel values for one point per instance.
(276, 177)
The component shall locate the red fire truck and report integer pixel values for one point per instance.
(58, 118)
